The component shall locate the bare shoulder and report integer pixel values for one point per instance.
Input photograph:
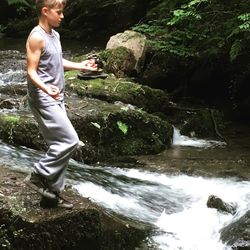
(35, 41)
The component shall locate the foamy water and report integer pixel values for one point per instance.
(12, 76)
(182, 140)
(174, 204)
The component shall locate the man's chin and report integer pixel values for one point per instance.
(56, 25)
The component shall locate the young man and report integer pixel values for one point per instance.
(45, 76)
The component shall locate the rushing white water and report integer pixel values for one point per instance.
(12, 77)
(182, 140)
(174, 204)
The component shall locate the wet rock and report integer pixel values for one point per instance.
(25, 225)
(220, 205)
(106, 130)
(203, 123)
(12, 66)
(11, 90)
(21, 130)
(165, 71)
(237, 234)
(10, 103)
(134, 41)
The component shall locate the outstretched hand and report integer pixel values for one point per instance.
(89, 65)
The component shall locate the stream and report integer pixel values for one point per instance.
(174, 203)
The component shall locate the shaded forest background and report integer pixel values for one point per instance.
(199, 48)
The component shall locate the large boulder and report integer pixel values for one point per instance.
(134, 41)
(165, 71)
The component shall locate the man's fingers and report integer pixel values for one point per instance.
(89, 65)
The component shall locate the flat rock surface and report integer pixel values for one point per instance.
(26, 225)
(14, 191)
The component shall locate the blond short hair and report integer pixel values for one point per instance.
(48, 3)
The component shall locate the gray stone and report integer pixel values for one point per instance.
(237, 233)
(132, 40)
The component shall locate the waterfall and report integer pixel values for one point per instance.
(182, 140)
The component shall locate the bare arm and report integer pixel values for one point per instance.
(85, 65)
(34, 48)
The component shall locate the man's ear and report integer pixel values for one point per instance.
(45, 11)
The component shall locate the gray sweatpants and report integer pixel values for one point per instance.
(61, 139)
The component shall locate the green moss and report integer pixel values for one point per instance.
(120, 61)
(20, 130)
(8, 123)
(113, 89)
(10, 118)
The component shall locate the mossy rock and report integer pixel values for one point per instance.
(122, 132)
(124, 90)
(24, 224)
(204, 123)
(21, 130)
(106, 130)
(119, 61)
(109, 130)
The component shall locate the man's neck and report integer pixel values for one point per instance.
(45, 26)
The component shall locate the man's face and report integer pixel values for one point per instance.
(54, 15)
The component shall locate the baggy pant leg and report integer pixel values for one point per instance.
(61, 139)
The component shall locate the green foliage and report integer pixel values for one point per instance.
(123, 127)
(245, 18)
(186, 11)
(171, 34)
(197, 27)
(240, 36)
(22, 5)
(235, 50)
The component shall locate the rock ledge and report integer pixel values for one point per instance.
(25, 225)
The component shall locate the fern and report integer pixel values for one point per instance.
(244, 17)
(181, 15)
(235, 50)
(186, 11)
